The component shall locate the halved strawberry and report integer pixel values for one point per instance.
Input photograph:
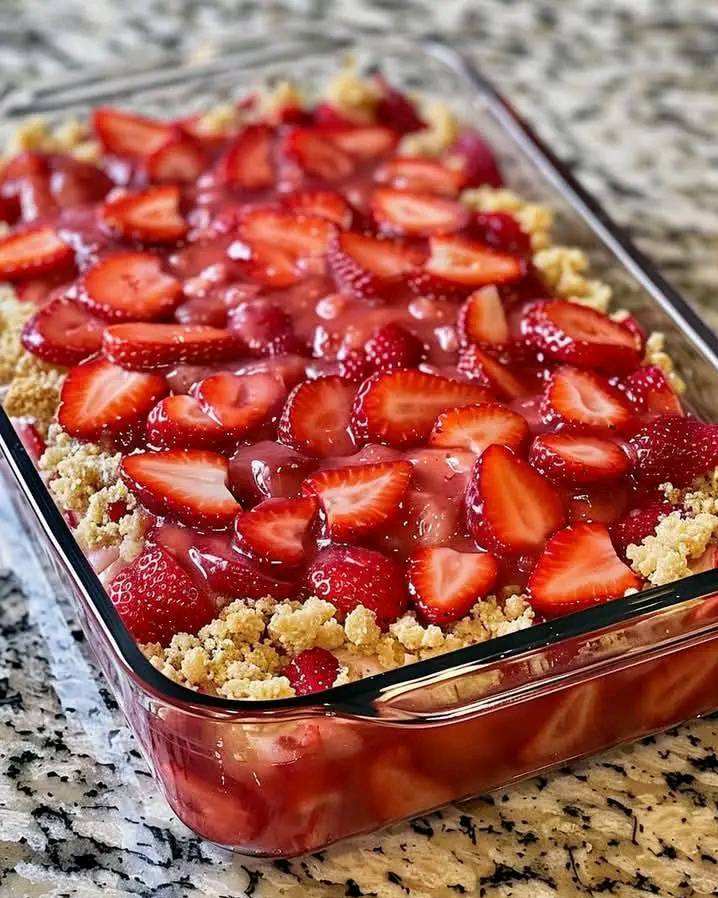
(179, 422)
(400, 407)
(649, 391)
(475, 159)
(511, 509)
(247, 163)
(156, 598)
(422, 214)
(575, 396)
(181, 159)
(475, 427)
(300, 236)
(502, 231)
(348, 576)
(33, 251)
(482, 318)
(359, 498)
(420, 175)
(395, 109)
(240, 402)
(268, 470)
(445, 584)
(148, 345)
(578, 458)
(579, 568)
(317, 417)
(62, 333)
(494, 375)
(98, 399)
(637, 524)
(266, 328)
(187, 485)
(276, 531)
(229, 572)
(317, 155)
(675, 449)
(361, 141)
(603, 504)
(126, 134)
(369, 267)
(312, 670)
(323, 203)
(458, 260)
(568, 332)
(391, 347)
(128, 286)
(151, 215)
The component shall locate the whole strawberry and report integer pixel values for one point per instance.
(391, 347)
(674, 449)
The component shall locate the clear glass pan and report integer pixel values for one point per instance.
(285, 777)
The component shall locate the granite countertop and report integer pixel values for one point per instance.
(627, 92)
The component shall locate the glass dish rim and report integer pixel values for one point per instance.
(358, 699)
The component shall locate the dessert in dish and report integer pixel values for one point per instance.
(319, 397)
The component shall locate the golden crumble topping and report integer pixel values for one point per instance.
(656, 355)
(534, 219)
(354, 97)
(71, 137)
(666, 555)
(442, 129)
(13, 315)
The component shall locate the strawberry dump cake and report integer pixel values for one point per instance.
(318, 395)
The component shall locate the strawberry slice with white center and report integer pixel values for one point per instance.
(568, 332)
(475, 427)
(318, 156)
(240, 402)
(359, 498)
(579, 568)
(156, 598)
(482, 318)
(578, 459)
(125, 134)
(277, 531)
(576, 396)
(317, 417)
(494, 375)
(421, 214)
(457, 261)
(322, 203)
(369, 267)
(420, 175)
(181, 160)
(247, 163)
(511, 509)
(445, 584)
(187, 485)
(62, 333)
(98, 399)
(151, 215)
(32, 252)
(179, 422)
(400, 407)
(145, 346)
(128, 286)
(650, 392)
(362, 141)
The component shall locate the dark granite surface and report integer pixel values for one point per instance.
(627, 91)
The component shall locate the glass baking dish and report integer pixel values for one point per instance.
(291, 776)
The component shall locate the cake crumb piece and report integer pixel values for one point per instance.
(441, 131)
(563, 267)
(352, 96)
(77, 470)
(361, 628)
(13, 315)
(655, 354)
(664, 556)
(35, 394)
(301, 626)
(219, 120)
(285, 95)
(535, 220)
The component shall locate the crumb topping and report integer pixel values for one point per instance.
(71, 137)
(13, 315)
(534, 219)
(352, 96)
(272, 102)
(656, 355)
(666, 555)
(442, 129)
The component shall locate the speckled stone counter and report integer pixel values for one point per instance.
(627, 91)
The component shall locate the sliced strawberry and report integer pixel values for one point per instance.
(317, 417)
(396, 110)
(180, 160)
(126, 134)
(636, 525)
(31, 252)
(370, 267)
(348, 576)
(179, 422)
(31, 438)
(568, 332)
(247, 164)
(445, 584)
(578, 458)
(579, 568)
(62, 333)
(151, 215)
(266, 328)
(157, 599)
(422, 214)
(511, 510)
(578, 397)
(98, 399)
(317, 155)
(322, 203)
(419, 174)
(649, 391)
(456, 264)
(392, 347)
(312, 670)
(359, 498)
(475, 160)
(361, 141)
(276, 531)
(603, 504)
(127, 286)
(475, 427)
(400, 407)
(188, 485)
(482, 318)
(240, 402)
(227, 571)
(674, 449)
(500, 230)
(494, 375)
(145, 346)
(300, 236)
(266, 470)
